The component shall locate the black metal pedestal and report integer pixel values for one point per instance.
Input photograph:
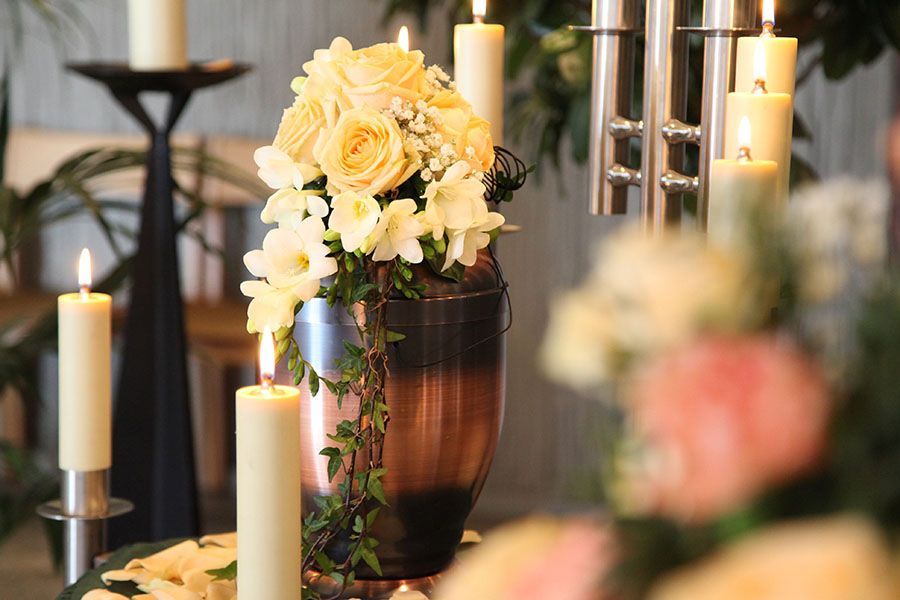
(153, 452)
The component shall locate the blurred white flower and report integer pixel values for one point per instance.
(294, 259)
(836, 558)
(837, 234)
(398, 231)
(279, 171)
(289, 207)
(838, 231)
(465, 244)
(453, 201)
(647, 294)
(354, 216)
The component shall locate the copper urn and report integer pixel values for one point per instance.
(445, 388)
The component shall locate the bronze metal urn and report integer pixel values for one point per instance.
(445, 389)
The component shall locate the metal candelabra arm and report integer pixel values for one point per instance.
(661, 127)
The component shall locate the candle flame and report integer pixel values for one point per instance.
(403, 38)
(84, 270)
(744, 133)
(267, 357)
(768, 12)
(759, 62)
(479, 9)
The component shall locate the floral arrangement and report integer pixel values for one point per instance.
(760, 432)
(379, 164)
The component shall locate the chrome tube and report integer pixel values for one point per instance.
(614, 25)
(83, 508)
(723, 21)
(665, 98)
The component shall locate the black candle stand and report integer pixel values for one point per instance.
(153, 451)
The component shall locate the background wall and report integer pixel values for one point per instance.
(548, 431)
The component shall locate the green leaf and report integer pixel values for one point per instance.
(395, 336)
(224, 574)
(375, 488)
(313, 382)
(368, 555)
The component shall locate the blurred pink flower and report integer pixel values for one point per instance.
(722, 420)
(541, 558)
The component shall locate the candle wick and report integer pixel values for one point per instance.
(478, 19)
(768, 30)
(266, 382)
(744, 154)
(759, 87)
(85, 291)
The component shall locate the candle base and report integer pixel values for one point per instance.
(84, 508)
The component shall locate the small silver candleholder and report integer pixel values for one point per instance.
(84, 508)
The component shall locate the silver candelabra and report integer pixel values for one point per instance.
(661, 128)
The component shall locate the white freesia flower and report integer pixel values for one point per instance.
(294, 258)
(354, 216)
(465, 244)
(270, 306)
(453, 201)
(278, 170)
(398, 231)
(290, 206)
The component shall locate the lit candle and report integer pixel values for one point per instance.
(770, 115)
(780, 53)
(85, 407)
(478, 57)
(157, 35)
(403, 38)
(268, 485)
(740, 189)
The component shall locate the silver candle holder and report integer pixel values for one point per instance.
(84, 508)
(662, 128)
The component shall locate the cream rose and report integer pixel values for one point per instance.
(299, 129)
(476, 145)
(364, 153)
(455, 114)
(370, 76)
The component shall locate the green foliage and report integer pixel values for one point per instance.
(228, 573)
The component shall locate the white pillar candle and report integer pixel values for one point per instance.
(780, 54)
(478, 58)
(740, 189)
(268, 485)
(157, 35)
(771, 118)
(85, 405)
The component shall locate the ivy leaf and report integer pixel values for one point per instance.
(228, 573)
(375, 488)
(368, 555)
(395, 336)
(313, 382)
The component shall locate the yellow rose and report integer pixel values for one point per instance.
(455, 114)
(364, 153)
(299, 130)
(372, 76)
(477, 136)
